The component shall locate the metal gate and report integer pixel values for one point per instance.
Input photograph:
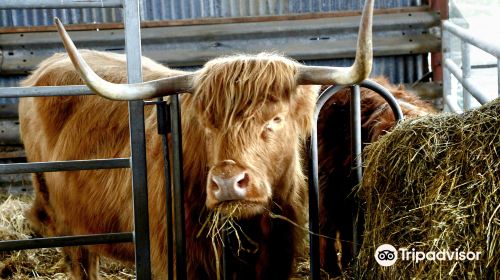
(168, 122)
(137, 160)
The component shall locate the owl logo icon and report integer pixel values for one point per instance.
(386, 255)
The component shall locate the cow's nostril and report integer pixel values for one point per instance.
(243, 183)
(214, 185)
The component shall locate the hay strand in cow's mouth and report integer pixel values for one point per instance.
(222, 221)
(304, 228)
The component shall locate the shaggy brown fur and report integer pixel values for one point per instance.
(336, 197)
(244, 108)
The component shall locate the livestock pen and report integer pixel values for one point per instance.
(186, 44)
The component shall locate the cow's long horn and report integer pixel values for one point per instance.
(360, 70)
(109, 90)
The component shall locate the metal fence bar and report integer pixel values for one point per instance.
(138, 142)
(42, 4)
(471, 38)
(466, 69)
(314, 249)
(314, 208)
(356, 161)
(446, 48)
(387, 95)
(13, 92)
(163, 123)
(498, 76)
(313, 181)
(466, 83)
(70, 165)
(63, 241)
(178, 177)
(463, 75)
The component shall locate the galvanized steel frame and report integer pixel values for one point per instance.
(450, 68)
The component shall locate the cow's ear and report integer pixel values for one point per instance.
(303, 105)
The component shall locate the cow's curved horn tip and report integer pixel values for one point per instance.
(57, 20)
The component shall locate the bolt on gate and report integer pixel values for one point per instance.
(168, 122)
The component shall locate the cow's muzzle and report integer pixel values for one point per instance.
(228, 181)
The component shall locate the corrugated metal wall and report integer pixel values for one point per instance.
(399, 69)
(190, 9)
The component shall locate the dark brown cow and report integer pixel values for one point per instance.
(243, 128)
(334, 159)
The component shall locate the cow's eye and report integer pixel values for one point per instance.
(274, 123)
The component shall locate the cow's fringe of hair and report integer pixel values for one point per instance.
(236, 77)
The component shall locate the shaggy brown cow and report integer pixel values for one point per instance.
(243, 128)
(334, 160)
(252, 144)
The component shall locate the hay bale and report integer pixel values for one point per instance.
(433, 184)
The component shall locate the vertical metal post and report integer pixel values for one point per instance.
(466, 69)
(137, 142)
(314, 206)
(356, 156)
(163, 119)
(498, 75)
(180, 240)
(446, 50)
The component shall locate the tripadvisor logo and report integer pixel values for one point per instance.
(387, 255)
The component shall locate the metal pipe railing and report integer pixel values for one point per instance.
(69, 165)
(471, 38)
(61, 241)
(356, 160)
(466, 69)
(498, 76)
(463, 75)
(472, 88)
(13, 92)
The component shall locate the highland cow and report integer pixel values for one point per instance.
(244, 122)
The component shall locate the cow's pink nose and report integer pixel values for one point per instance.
(228, 181)
(232, 188)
